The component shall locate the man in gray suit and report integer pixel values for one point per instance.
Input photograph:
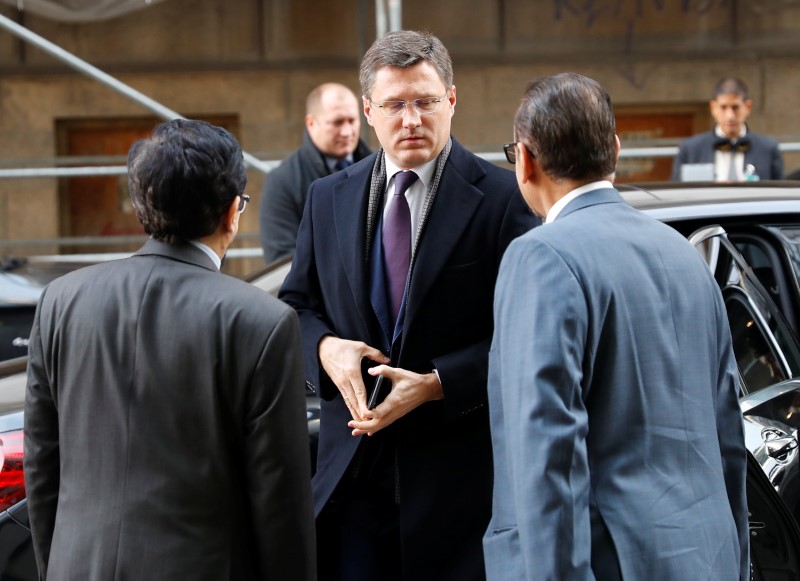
(617, 435)
(165, 433)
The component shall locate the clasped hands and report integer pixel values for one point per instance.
(341, 360)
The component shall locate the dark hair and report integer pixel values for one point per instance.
(402, 49)
(731, 86)
(567, 121)
(183, 178)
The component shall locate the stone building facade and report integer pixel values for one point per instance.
(249, 64)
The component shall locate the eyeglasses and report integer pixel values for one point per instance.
(424, 106)
(243, 199)
(510, 149)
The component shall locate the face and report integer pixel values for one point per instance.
(410, 139)
(334, 127)
(730, 112)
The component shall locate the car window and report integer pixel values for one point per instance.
(765, 347)
(791, 241)
(15, 327)
(757, 256)
(758, 363)
(766, 257)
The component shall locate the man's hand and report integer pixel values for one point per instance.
(341, 360)
(409, 391)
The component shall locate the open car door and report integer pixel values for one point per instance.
(768, 358)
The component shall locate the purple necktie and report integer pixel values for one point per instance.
(397, 241)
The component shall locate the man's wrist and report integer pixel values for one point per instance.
(436, 390)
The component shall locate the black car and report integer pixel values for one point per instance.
(19, 293)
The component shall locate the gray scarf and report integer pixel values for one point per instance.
(378, 186)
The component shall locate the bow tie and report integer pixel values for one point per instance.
(725, 144)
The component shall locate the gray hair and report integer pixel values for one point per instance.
(402, 49)
(567, 121)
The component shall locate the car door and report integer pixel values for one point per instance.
(774, 537)
(765, 346)
(773, 253)
(768, 357)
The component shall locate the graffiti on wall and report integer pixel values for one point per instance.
(638, 22)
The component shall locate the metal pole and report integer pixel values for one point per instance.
(104, 78)
(86, 171)
(380, 18)
(395, 15)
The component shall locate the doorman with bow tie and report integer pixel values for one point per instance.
(735, 152)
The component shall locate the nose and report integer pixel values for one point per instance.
(411, 117)
(347, 128)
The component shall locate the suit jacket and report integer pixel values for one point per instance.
(443, 448)
(613, 390)
(763, 154)
(165, 431)
(284, 196)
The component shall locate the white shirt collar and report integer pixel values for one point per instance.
(718, 132)
(207, 249)
(562, 203)
(424, 171)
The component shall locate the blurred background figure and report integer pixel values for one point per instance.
(330, 142)
(165, 429)
(730, 152)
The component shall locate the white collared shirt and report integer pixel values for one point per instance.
(562, 203)
(415, 194)
(207, 249)
(722, 159)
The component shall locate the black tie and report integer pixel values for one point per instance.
(725, 144)
(732, 146)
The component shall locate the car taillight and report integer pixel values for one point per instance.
(12, 482)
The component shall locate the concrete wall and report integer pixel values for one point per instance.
(257, 59)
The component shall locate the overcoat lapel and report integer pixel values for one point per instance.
(351, 197)
(708, 152)
(456, 201)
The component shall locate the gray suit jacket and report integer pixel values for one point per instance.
(617, 433)
(763, 155)
(165, 431)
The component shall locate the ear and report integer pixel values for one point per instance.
(526, 163)
(230, 218)
(367, 109)
(452, 100)
(617, 147)
(712, 106)
(748, 106)
(309, 119)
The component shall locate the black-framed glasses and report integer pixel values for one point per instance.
(423, 105)
(510, 149)
(243, 199)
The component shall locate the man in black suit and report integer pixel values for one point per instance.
(165, 430)
(330, 142)
(393, 277)
(730, 152)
